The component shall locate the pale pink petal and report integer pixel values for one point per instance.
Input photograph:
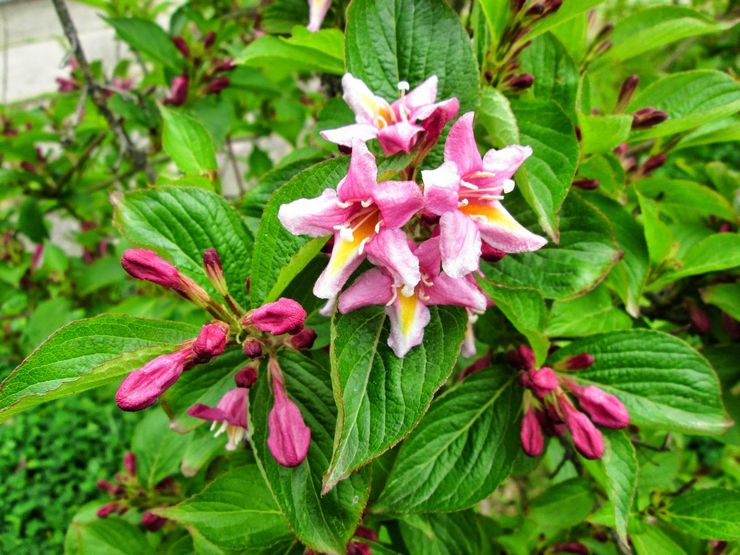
(429, 257)
(346, 135)
(461, 148)
(460, 244)
(390, 250)
(366, 106)
(420, 96)
(397, 201)
(434, 118)
(372, 287)
(409, 316)
(505, 162)
(346, 256)
(501, 231)
(457, 292)
(315, 217)
(468, 348)
(441, 188)
(317, 12)
(398, 137)
(361, 178)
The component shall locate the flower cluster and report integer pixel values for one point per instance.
(260, 332)
(424, 241)
(548, 407)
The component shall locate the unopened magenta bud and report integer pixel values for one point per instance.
(217, 85)
(543, 381)
(152, 522)
(479, 364)
(491, 254)
(586, 184)
(625, 92)
(209, 39)
(144, 386)
(112, 489)
(522, 358)
(245, 377)
(282, 316)
(148, 266)
(699, 319)
(252, 348)
(211, 342)
(647, 117)
(289, 437)
(224, 66)
(106, 510)
(580, 361)
(521, 82)
(178, 91)
(653, 163)
(182, 46)
(215, 271)
(533, 442)
(588, 440)
(604, 409)
(304, 339)
(129, 463)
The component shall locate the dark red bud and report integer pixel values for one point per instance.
(252, 348)
(605, 31)
(533, 442)
(572, 547)
(217, 85)
(579, 133)
(731, 327)
(479, 364)
(725, 227)
(586, 184)
(152, 522)
(178, 91)
(107, 509)
(521, 82)
(182, 46)
(129, 463)
(647, 117)
(490, 254)
(225, 65)
(625, 92)
(245, 377)
(551, 6)
(215, 271)
(209, 39)
(28, 166)
(700, 321)
(621, 150)
(536, 10)
(303, 339)
(604, 46)
(653, 163)
(579, 361)
(367, 533)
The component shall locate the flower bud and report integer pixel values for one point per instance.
(288, 438)
(543, 381)
(603, 408)
(647, 117)
(282, 316)
(215, 271)
(479, 364)
(211, 342)
(367, 533)
(107, 509)
(147, 265)
(653, 163)
(304, 339)
(625, 92)
(245, 377)
(143, 387)
(224, 65)
(551, 6)
(65, 85)
(316, 13)
(536, 10)
(533, 442)
(586, 184)
(217, 85)
(699, 319)
(621, 150)
(182, 46)
(490, 254)
(521, 358)
(209, 39)
(570, 547)
(152, 522)
(588, 440)
(129, 463)
(521, 82)
(579, 361)
(603, 47)
(731, 327)
(252, 348)
(112, 489)
(178, 91)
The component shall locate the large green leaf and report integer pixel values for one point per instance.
(566, 12)
(548, 173)
(585, 255)
(664, 383)
(279, 256)
(461, 451)
(651, 28)
(326, 522)
(690, 99)
(189, 144)
(181, 223)
(548, 510)
(381, 397)
(600, 134)
(112, 536)
(235, 512)
(724, 295)
(87, 354)
(389, 41)
(494, 115)
(148, 38)
(684, 198)
(715, 253)
(446, 534)
(588, 315)
(303, 51)
(712, 514)
(158, 449)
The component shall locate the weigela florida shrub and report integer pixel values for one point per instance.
(459, 289)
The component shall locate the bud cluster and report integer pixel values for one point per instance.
(549, 410)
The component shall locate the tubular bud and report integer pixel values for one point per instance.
(282, 316)
(215, 271)
(579, 361)
(129, 463)
(304, 339)
(586, 184)
(533, 442)
(152, 522)
(147, 265)
(245, 377)
(252, 348)
(588, 440)
(211, 342)
(288, 438)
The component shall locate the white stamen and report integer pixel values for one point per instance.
(362, 245)
(407, 291)
(483, 174)
(344, 204)
(508, 185)
(367, 202)
(423, 296)
(377, 226)
(393, 298)
(492, 197)
(468, 185)
(213, 425)
(221, 430)
(425, 280)
(463, 202)
(403, 86)
(345, 234)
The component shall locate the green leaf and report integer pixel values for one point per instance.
(189, 144)
(112, 536)
(390, 41)
(653, 540)
(556, 74)
(600, 134)
(235, 512)
(148, 38)
(87, 354)
(31, 220)
(158, 449)
(664, 383)
(181, 223)
(723, 131)
(588, 315)
(715, 253)
(712, 514)
(608, 171)
(446, 534)
(381, 397)
(461, 451)
(496, 14)
(682, 198)
(566, 12)
(279, 256)
(526, 311)
(616, 471)
(726, 296)
(104, 272)
(585, 255)
(690, 98)
(494, 114)
(548, 512)
(326, 522)
(303, 51)
(651, 28)
(549, 172)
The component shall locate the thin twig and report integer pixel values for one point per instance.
(235, 165)
(137, 157)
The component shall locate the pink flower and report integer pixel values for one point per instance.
(230, 412)
(289, 437)
(211, 342)
(409, 313)
(281, 316)
(316, 13)
(396, 126)
(466, 191)
(178, 91)
(143, 387)
(148, 266)
(364, 217)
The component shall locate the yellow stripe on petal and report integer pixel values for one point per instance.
(408, 306)
(490, 213)
(344, 251)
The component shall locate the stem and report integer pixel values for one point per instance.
(235, 165)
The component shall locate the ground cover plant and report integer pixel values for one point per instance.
(486, 302)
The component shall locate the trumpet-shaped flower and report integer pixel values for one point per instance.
(409, 315)
(316, 13)
(230, 412)
(364, 217)
(396, 126)
(466, 192)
